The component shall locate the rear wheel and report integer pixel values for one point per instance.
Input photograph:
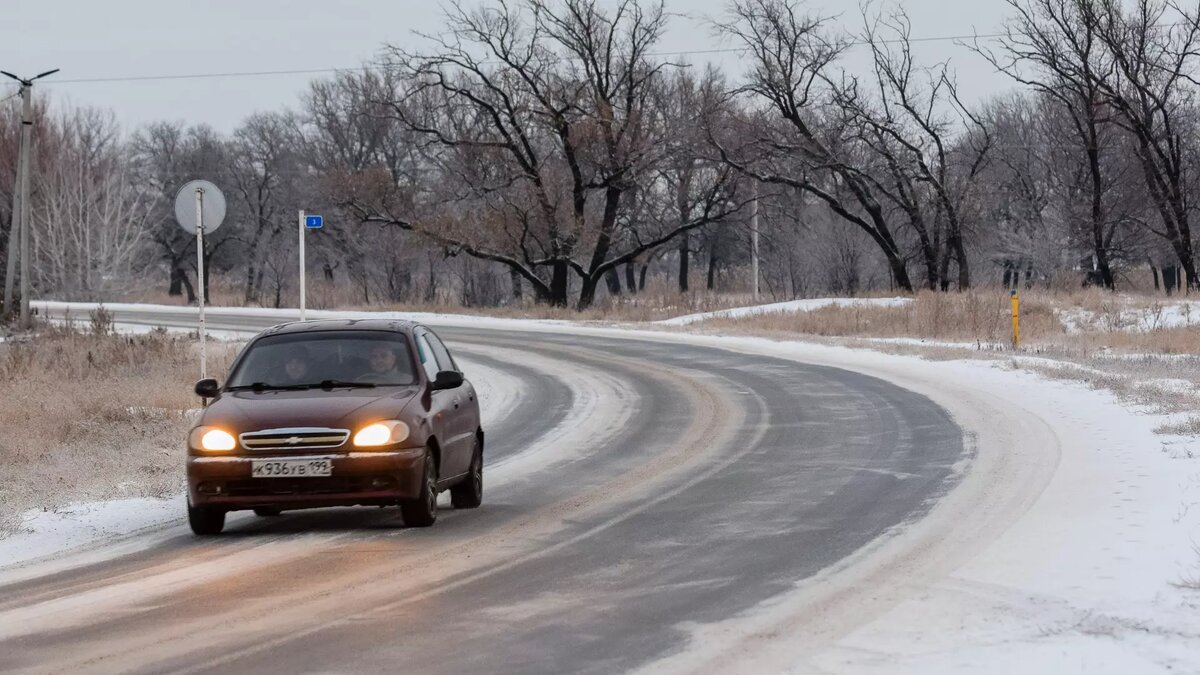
(469, 493)
(267, 511)
(422, 511)
(205, 520)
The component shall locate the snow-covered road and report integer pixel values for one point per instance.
(677, 502)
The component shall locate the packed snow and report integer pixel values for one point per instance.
(46, 533)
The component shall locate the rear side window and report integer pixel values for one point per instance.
(426, 355)
(443, 355)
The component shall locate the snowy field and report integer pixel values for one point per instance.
(1070, 546)
(1157, 316)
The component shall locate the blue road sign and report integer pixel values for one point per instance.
(313, 222)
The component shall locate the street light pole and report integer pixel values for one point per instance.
(14, 230)
(24, 234)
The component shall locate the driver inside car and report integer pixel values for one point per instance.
(383, 366)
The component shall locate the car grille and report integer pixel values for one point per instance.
(306, 438)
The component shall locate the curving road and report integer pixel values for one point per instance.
(635, 490)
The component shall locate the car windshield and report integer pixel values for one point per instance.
(328, 358)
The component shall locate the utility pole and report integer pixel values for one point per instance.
(21, 204)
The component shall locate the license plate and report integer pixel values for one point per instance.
(290, 468)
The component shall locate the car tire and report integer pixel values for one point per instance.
(422, 511)
(469, 493)
(267, 511)
(205, 520)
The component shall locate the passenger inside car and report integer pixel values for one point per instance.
(295, 368)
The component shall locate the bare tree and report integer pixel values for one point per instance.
(265, 172)
(90, 220)
(165, 155)
(541, 118)
(792, 56)
(1054, 48)
(910, 117)
(1153, 47)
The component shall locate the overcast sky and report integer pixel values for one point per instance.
(90, 39)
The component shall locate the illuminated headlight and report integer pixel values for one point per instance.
(381, 433)
(212, 439)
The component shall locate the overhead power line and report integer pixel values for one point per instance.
(331, 70)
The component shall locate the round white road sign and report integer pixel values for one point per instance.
(214, 206)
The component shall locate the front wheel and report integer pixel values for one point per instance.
(205, 520)
(422, 511)
(469, 493)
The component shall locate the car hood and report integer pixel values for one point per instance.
(242, 411)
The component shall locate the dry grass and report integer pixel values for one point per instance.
(972, 316)
(90, 415)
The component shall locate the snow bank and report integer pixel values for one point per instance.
(80, 310)
(783, 308)
(1134, 319)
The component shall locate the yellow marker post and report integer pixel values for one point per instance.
(1016, 319)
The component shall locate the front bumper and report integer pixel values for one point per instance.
(369, 478)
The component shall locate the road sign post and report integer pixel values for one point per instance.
(200, 276)
(303, 291)
(200, 209)
(306, 222)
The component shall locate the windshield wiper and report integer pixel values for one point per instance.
(340, 384)
(263, 386)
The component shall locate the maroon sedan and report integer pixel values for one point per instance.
(336, 413)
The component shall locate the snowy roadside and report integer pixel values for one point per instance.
(782, 308)
(1069, 547)
(45, 534)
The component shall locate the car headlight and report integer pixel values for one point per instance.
(381, 433)
(212, 439)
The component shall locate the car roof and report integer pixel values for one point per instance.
(394, 325)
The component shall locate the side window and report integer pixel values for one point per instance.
(442, 354)
(428, 361)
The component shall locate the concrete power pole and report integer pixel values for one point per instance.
(21, 203)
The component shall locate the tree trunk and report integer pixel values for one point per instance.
(684, 245)
(1154, 273)
(515, 277)
(559, 283)
(176, 286)
(631, 276)
(187, 286)
(711, 282)
(960, 257)
(587, 293)
(613, 279)
(1098, 244)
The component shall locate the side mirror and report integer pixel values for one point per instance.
(447, 379)
(208, 388)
